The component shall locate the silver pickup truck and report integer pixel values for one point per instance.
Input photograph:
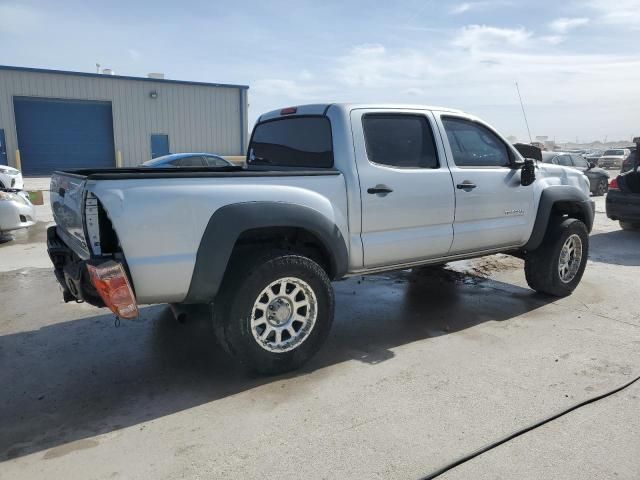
(329, 191)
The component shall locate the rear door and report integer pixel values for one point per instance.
(492, 209)
(405, 185)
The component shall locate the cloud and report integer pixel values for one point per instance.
(461, 8)
(483, 36)
(19, 19)
(563, 25)
(620, 12)
(552, 39)
(464, 7)
(295, 90)
(373, 66)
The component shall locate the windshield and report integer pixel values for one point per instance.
(614, 152)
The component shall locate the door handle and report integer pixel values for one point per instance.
(466, 185)
(379, 190)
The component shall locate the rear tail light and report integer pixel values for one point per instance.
(613, 185)
(288, 111)
(112, 284)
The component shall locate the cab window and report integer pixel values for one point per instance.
(474, 145)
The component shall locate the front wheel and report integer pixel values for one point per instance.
(273, 314)
(557, 265)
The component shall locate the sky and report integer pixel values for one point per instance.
(577, 63)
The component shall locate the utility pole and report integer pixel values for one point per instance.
(523, 113)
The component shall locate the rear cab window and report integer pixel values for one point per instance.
(300, 141)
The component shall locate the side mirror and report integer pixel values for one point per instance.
(528, 172)
(592, 165)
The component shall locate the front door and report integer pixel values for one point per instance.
(3, 149)
(492, 209)
(407, 196)
(159, 145)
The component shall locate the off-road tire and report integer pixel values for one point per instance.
(541, 265)
(234, 308)
(629, 225)
(601, 188)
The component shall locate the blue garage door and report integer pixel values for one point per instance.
(57, 134)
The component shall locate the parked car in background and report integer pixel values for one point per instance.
(613, 158)
(16, 211)
(10, 178)
(623, 200)
(188, 160)
(593, 156)
(598, 178)
(631, 161)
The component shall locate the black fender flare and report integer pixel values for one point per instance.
(229, 222)
(551, 196)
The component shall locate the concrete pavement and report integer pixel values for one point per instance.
(420, 368)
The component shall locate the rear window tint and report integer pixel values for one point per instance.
(292, 142)
(402, 141)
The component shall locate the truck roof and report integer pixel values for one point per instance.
(321, 108)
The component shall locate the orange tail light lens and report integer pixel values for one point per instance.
(112, 284)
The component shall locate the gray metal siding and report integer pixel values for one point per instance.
(196, 117)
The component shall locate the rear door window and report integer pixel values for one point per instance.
(195, 161)
(401, 141)
(292, 142)
(215, 162)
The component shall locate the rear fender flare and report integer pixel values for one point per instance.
(227, 224)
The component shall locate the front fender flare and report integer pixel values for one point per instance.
(552, 196)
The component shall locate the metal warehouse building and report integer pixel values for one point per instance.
(52, 119)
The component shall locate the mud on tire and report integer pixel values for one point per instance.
(548, 268)
(273, 314)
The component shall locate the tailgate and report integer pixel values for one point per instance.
(67, 205)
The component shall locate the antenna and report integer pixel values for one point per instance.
(97, 67)
(523, 112)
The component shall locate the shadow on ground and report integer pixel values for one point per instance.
(69, 380)
(619, 247)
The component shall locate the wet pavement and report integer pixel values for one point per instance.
(420, 368)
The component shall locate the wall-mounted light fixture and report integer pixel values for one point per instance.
(153, 94)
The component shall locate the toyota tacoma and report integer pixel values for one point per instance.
(329, 191)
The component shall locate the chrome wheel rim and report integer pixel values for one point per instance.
(570, 258)
(284, 315)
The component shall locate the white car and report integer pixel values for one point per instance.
(16, 211)
(613, 158)
(10, 178)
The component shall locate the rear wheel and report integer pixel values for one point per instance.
(629, 225)
(557, 265)
(273, 314)
(602, 187)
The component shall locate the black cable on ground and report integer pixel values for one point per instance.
(517, 433)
